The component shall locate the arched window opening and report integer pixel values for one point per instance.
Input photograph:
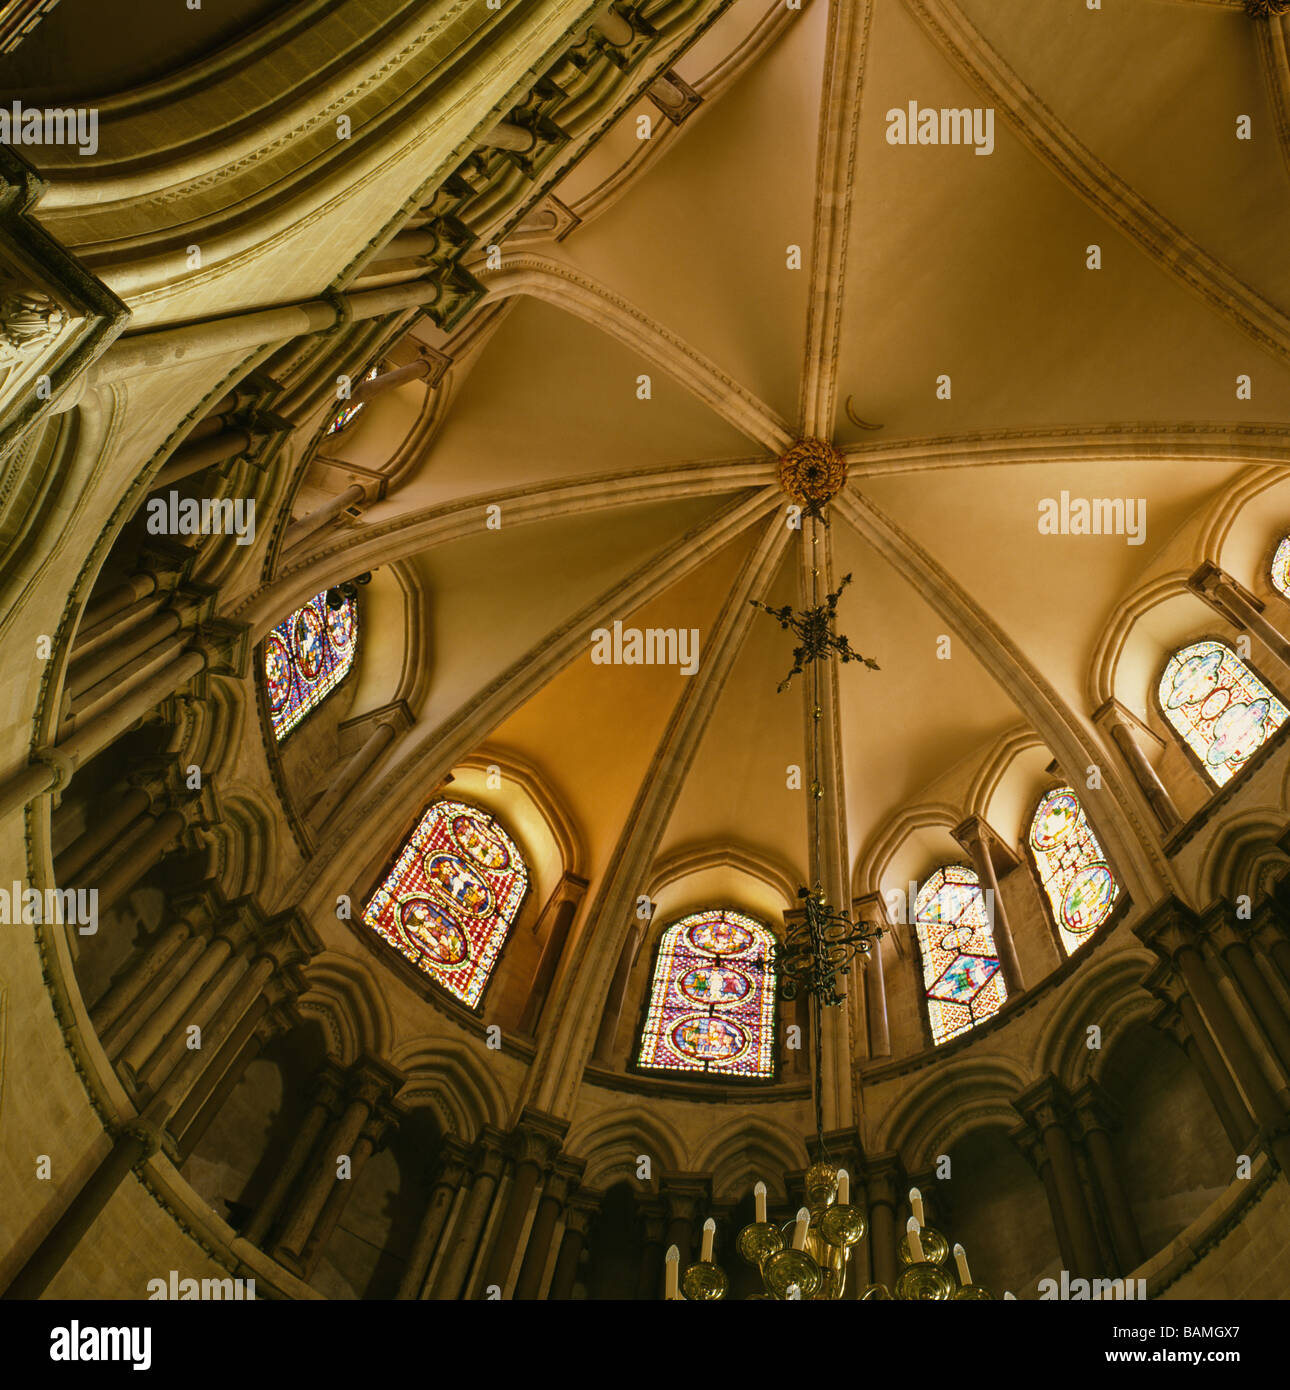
(306, 657)
(1280, 570)
(1222, 710)
(962, 979)
(712, 1001)
(1079, 883)
(451, 898)
(349, 411)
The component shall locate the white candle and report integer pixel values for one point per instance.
(709, 1231)
(759, 1197)
(916, 1202)
(915, 1245)
(960, 1259)
(673, 1263)
(844, 1187)
(799, 1231)
(1009, 1296)
(792, 1292)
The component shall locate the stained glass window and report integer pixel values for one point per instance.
(451, 897)
(1077, 879)
(712, 1003)
(1281, 567)
(962, 977)
(306, 657)
(1219, 706)
(346, 414)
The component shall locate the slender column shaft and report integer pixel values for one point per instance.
(465, 1237)
(144, 968)
(52, 1252)
(871, 911)
(102, 665)
(1233, 1113)
(883, 1241)
(314, 521)
(304, 1216)
(155, 1029)
(207, 1098)
(307, 1136)
(337, 1200)
(1149, 783)
(978, 845)
(538, 1246)
(566, 1263)
(144, 854)
(560, 909)
(1124, 1229)
(154, 990)
(502, 1256)
(430, 1230)
(1262, 1001)
(1070, 1192)
(100, 609)
(352, 773)
(103, 831)
(194, 455)
(604, 1050)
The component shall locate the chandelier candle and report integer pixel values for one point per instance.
(916, 1204)
(915, 1245)
(709, 1234)
(799, 1231)
(960, 1260)
(759, 1198)
(672, 1260)
(844, 1187)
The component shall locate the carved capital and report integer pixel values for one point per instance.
(537, 1137)
(1266, 9)
(884, 1178)
(1045, 1105)
(687, 1195)
(1168, 929)
(489, 1153)
(1094, 1109)
(451, 1165)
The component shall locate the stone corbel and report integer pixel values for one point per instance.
(55, 318)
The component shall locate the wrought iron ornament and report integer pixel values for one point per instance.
(815, 629)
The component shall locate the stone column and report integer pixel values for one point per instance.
(376, 1130)
(1173, 933)
(883, 1177)
(486, 1162)
(194, 1117)
(134, 1143)
(370, 1083)
(142, 857)
(1179, 1017)
(686, 1197)
(450, 1170)
(978, 839)
(604, 1050)
(1270, 930)
(1239, 607)
(328, 1086)
(104, 831)
(149, 631)
(116, 600)
(577, 1219)
(1094, 1114)
(159, 1044)
(556, 919)
(1028, 1142)
(377, 741)
(1117, 721)
(534, 1141)
(310, 524)
(53, 768)
(653, 1218)
(1046, 1109)
(143, 967)
(872, 911)
(563, 1178)
(195, 455)
(1222, 930)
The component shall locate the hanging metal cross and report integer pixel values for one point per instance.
(815, 628)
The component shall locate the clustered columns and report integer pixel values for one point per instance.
(361, 1116)
(121, 667)
(1066, 1139)
(492, 1218)
(604, 1049)
(247, 974)
(987, 851)
(1217, 1001)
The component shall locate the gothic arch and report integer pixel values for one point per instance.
(451, 1076)
(745, 1151)
(346, 999)
(612, 1142)
(876, 857)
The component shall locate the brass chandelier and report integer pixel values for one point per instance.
(807, 1258)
